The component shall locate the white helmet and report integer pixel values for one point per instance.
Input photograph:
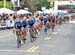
(17, 20)
(24, 18)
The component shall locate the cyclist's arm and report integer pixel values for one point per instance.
(14, 28)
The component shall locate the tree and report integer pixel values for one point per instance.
(34, 5)
(43, 3)
(31, 4)
(8, 5)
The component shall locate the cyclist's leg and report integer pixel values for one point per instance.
(53, 26)
(30, 30)
(13, 30)
(23, 33)
(41, 25)
(45, 28)
(35, 32)
(18, 39)
(36, 28)
(32, 33)
(21, 37)
(48, 25)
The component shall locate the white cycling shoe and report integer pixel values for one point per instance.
(22, 42)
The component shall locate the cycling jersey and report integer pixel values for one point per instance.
(36, 19)
(31, 22)
(45, 20)
(18, 25)
(24, 24)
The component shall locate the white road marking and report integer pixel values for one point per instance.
(32, 49)
(35, 49)
(14, 51)
(54, 33)
(5, 36)
(71, 54)
(72, 22)
(47, 38)
(58, 29)
(47, 45)
(61, 27)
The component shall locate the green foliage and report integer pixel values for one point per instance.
(1, 4)
(1, 0)
(8, 5)
(43, 3)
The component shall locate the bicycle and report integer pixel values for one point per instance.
(32, 34)
(52, 26)
(45, 29)
(18, 38)
(24, 35)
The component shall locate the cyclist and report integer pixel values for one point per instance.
(36, 26)
(31, 28)
(45, 19)
(53, 22)
(60, 21)
(18, 26)
(31, 23)
(49, 22)
(24, 30)
(36, 19)
(41, 21)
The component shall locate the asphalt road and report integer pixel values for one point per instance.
(59, 42)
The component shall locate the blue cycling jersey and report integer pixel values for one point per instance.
(31, 22)
(18, 25)
(45, 20)
(24, 24)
